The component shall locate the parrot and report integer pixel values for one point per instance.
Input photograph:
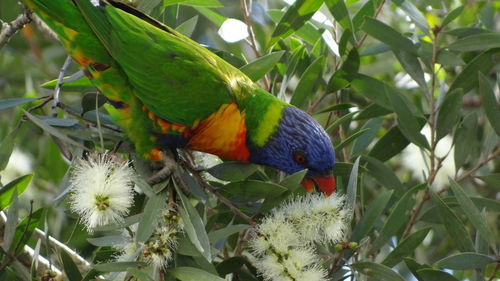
(167, 91)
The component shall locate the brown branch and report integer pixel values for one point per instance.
(494, 273)
(9, 29)
(469, 173)
(253, 41)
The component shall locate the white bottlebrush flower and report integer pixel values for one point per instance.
(159, 248)
(283, 244)
(316, 219)
(101, 189)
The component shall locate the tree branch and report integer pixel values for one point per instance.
(9, 29)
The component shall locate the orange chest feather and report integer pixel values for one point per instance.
(223, 133)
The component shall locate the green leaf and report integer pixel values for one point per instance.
(70, 267)
(382, 173)
(118, 266)
(468, 78)
(20, 184)
(372, 89)
(414, 14)
(225, 232)
(232, 171)
(372, 213)
(256, 69)
(140, 275)
(471, 211)
(387, 35)
(377, 271)
(89, 102)
(366, 11)
(351, 138)
(295, 17)
(372, 110)
(11, 223)
(409, 61)
(342, 77)
(397, 217)
(465, 139)
(51, 130)
(201, 3)
(449, 59)
(193, 274)
(186, 28)
(293, 181)
(194, 226)
(212, 16)
(25, 230)
(449, 113)
(4, 104)
(407, 122)
(6, 148)
(305, 89)
(308, 32)
(490, 103)
(150, 217)
(364, 141)
(252, 190)
(453, 225)
(413, 266)
(104, 241)
(477, 42)
(389, 145)
(452, 15)
(429, 274)
(352, 187)
(340, 106)
(339, 11)
(463, 261)
(230, 265)
(340, 121)
(406, 247)
(78, 85)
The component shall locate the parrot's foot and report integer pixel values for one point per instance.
(165, 169)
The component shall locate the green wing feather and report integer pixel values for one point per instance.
(175, 77)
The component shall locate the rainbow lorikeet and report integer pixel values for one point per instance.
(167, 91)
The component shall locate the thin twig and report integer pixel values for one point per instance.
(9, 29)
(253, 43)
(57, 89)
(494, 273)
(469, 173)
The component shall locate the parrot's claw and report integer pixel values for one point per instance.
(168, 167)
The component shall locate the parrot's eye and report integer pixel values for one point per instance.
(299, 157)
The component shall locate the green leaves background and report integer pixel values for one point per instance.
(387, 79)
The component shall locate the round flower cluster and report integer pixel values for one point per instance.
(284, 243)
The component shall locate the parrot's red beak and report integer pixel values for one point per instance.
(323, 183)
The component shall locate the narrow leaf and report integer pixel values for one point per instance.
(471, 211)
(259, 67)
(186, 28)
(452, 15)
(406, 247)
(339, 11)
(477, 42)
(195, 228)
(465, 261)
(193, 274)
(449, 113)
(20, 184)
(377, 271)
(429, 274)
(70, 267)
(225, 232)
(372, 213)
(295, 17)
(414, 14)
(468, 77)
(387, 35)
(4, 104)
(202, 3)
(490, 103)
(150, 217)
(118, 266)
(352, 187)
(232, 171)
(453, 224)
(251, 190)
(307, 83)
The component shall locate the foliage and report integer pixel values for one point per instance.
(408, 87)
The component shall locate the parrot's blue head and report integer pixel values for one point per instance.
(299, 143)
